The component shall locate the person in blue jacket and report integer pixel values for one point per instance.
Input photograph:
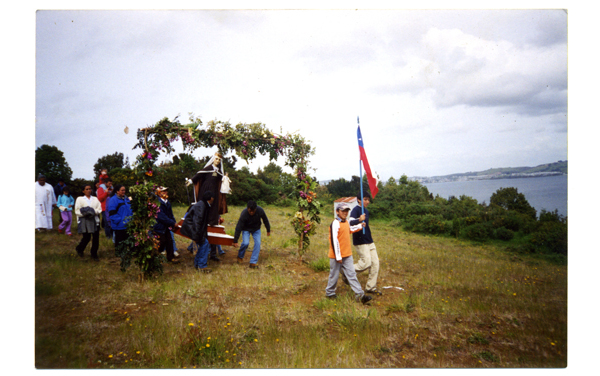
(164, 222)
(119, 211)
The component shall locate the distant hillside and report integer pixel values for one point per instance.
(548, 169)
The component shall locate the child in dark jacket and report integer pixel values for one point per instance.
(164, 222)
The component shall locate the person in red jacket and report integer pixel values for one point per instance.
(340, 255)
(103, 194)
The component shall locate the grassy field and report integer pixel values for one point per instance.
(461, 305)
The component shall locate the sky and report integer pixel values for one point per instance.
(437, 91)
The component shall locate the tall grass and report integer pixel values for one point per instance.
(461, 305)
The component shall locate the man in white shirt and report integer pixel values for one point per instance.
(45, 201)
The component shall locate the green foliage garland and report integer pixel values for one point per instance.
(246, 140)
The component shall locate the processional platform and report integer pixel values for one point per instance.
(216, 234)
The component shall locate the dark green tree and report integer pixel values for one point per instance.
(510, 199)
(344, 188)
(109, 162)
(51, 162)
(282, 183)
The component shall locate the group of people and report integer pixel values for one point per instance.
(340, 251)
(111, 208)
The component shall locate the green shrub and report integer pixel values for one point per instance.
(478, 231)
(428, 224)
(551, 236)
(521, 249)
(503, 233)
(546, 216)
(457, 225)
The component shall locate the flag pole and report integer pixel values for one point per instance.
(362, 196)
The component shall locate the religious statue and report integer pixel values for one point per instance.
(210, 178)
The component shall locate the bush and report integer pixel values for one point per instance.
(419, 208)
(429, 224)
(551, 236)
(478, 231)
(521, 249)
(503, 233)
(457, 225)
(546, 216)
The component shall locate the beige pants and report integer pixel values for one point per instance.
(368, 259)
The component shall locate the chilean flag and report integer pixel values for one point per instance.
(363, 157)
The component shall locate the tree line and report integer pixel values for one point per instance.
(408, 204)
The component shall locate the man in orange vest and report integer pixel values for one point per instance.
(340, 255)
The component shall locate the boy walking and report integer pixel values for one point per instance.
(340, 255)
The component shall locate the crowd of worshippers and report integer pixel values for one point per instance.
(109, 208)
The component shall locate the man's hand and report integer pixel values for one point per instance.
(338, 261)
(268, 233)
(235, 245)
(362, 217)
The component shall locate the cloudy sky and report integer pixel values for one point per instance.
(437, 92)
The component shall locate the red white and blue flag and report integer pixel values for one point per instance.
(363, 157)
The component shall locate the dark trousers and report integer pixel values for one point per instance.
(95, 237)
(166, 242)
(106, 225)
(120, 235)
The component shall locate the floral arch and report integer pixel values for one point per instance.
(247, 141)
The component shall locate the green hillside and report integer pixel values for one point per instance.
(560, 166)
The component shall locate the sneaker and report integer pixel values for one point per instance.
(204, 270)
(374, 291)
(176, 254)
(164, 253)
(365, 299)
(344, 279)
(60, 231)
(334, 296)
(253, 266)
(240, 260)
(79, 253)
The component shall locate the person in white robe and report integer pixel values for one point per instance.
(44, 202)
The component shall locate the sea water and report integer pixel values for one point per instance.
(548, 192)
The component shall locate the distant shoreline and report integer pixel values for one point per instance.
(434, 180)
